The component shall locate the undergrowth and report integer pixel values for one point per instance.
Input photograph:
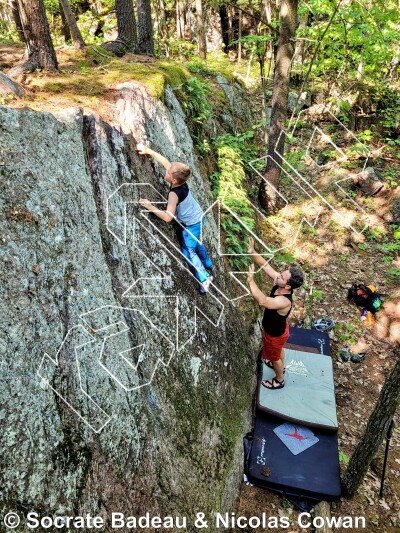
(228, 184)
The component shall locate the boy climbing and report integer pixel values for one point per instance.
(277, 308)
(185, 209)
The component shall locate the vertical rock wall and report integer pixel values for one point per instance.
(122, 389)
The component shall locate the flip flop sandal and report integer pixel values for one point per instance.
(275, 384)
(270, 365)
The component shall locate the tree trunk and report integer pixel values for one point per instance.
(239, 55)
(162, 22)
(127, 33)
(276, 141)
(268, 10)
(189, 26)
(201, 32)
(145, 28)
(65, 28)
(17, 19)
(230, 24)
(360, 69)
(126, 23)
(77, 38)
(375, 432)
(37, 35)
(180, 19)
(300, 44)
(223, 14)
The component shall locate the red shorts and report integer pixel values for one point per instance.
(272, 346)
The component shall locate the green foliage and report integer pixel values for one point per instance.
(7, 32)
(359, 34)
(388, 111)
(296, 159)
(198, 67)
(309, 229)
(394, 272)
(195, 99)
(343, 458)
(347, 335)
(241, 144)
(365, 135)
(285, 258)
(178, 48)
(317, 294)
(391, 176)
(376, 233)
(256, 44)
(390, 247)
(233, 155)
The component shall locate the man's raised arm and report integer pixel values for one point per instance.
(261, 262)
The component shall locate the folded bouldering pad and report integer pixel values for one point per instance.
(308, 396)
(292, 459)
(308, 340)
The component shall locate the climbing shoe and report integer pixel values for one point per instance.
(358, 357)
(205, 285)
(344, 354)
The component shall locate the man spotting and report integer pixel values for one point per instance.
(277, 308)
(186, 210)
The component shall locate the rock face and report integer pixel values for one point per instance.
(122, 388)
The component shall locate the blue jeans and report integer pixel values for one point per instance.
(195, 252)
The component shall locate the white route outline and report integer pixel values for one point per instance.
(178, 255)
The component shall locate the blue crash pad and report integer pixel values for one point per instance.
(313, 473)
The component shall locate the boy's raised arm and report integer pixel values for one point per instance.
(145, 150)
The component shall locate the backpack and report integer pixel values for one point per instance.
(365, 296)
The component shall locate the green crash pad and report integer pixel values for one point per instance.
(308, 396)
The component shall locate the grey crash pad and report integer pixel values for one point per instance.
(308, 396)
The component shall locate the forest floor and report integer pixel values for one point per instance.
(331, 256)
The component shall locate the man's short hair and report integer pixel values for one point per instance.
(179, 172)
(296, 277)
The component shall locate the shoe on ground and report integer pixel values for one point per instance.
(358, 357)
(344, 354)
(205, 285)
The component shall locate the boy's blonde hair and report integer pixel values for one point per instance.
(179, 172)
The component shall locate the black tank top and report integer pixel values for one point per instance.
(273, 323)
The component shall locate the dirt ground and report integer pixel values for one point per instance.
(331, 261)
